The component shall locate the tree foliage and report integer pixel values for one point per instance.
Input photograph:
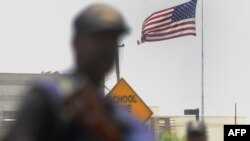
(166, 136)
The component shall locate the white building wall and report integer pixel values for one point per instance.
(214, 124)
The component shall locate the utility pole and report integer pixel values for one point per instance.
(117, 68)
(117, 62)
(235, 113)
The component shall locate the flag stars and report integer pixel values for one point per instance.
(184, 11)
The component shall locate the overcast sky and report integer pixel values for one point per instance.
(35, 36)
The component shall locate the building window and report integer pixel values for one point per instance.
(162, 123)
(9, 117)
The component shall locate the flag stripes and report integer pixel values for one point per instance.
(170, 23)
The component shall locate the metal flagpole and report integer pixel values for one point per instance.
(202, 65)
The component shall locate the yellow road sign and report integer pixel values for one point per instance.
(123, 95)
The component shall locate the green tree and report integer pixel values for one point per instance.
(166, 136)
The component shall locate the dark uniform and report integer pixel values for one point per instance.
(71, 107)
(196, 131)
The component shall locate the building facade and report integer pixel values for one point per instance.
(13, 87)
(178, 124)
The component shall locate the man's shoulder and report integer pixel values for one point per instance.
(60, 85)
(53, 85)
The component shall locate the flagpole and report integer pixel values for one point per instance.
(202, 65)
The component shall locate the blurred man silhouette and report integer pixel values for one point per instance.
(71, 107)
(196, 131)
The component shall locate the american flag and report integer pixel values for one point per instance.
(170, 23)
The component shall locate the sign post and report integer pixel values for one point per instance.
(192, 112)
